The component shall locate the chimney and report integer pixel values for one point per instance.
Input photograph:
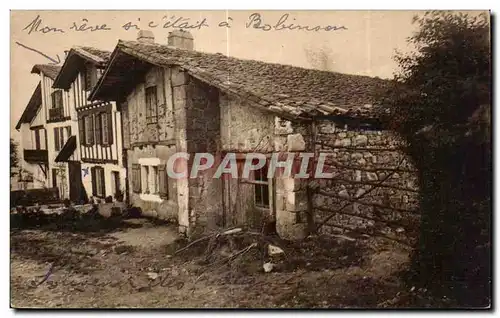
(181, 39)
(145, 36)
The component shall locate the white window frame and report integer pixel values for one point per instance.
(150, 179)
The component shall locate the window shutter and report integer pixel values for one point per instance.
(53, 97)
(94, 181)
(90, 130)
(81, 128)
(37, 138)
(59, 99)
(69, 131)
(103, 182)
(162, 181)
(56, 139)
(98, 123)
(110, 128)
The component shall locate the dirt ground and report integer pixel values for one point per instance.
(135, 265)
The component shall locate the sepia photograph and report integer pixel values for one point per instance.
(212, 159)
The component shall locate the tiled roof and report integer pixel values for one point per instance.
(48, 69)
(32, 108)
(72, 63)
(284, 89)
(95, 55)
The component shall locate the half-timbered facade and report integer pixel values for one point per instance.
(33, 153)
(98, 143)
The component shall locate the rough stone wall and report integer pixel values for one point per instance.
(134, 121)
(166, 209)
(202, 115)
(360, 159)
(244, 129)
(291, 197)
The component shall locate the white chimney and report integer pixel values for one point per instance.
(181, 39)
(145, 36)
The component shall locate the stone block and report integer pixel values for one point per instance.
(282, 126)
(179, 78)
(360, 140)
(179, 96)
(346, 142)
(295, 142)
(327, 128)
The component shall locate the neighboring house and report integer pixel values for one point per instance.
(96, 147)
(32, 147)
(174, 99)
(58, 119)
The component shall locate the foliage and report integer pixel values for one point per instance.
(440, 102)
(14, 160)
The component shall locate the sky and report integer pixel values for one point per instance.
(353, 42)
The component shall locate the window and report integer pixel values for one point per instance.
(57, 139)
(98, 182)
(89, 130)
(145, 179)
(89, 75)
(105, 132)
(261, 185)
(61, 135)
(136, 178)
(57, 100)
(151, 105)
(98, 130)
(162, 182)
(150, 179)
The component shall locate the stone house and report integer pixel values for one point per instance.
(175, 99)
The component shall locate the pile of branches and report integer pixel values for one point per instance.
(235, 245)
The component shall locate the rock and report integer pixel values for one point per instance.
(361, 140)
(346, 142)
(152, 275)
(343, 193)
(296, 142)
(274, 250)
(268, 267)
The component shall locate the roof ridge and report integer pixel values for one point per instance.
(125, 42)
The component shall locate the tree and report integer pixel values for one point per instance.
(14, 160)
(440, 103)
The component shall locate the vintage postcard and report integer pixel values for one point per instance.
(250, 159)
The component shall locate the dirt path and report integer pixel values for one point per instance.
(134, 267)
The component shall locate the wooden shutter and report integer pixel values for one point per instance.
(37, 138)
(162, 181)
(103, 182)
(81, 128)
(56, 139)
(110, 128)
(94, 181)
(59, 99)
(136, 178)
(90, 130)
(98, 139)
(53, 97)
